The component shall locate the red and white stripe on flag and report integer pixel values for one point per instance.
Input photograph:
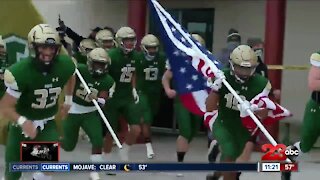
(276, 112)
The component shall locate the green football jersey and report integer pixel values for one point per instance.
(149, 73)
(39, 91)
(228, 109)
(121, 70)
(81, 59)
(96, 85)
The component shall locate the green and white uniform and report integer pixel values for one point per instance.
(228, 129)
(83, 113)
(122, 69)
(149, 75)
(311, 123)
(37, 95)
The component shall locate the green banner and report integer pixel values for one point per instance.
(16, 20)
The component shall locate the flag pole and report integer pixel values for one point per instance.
(214, 68)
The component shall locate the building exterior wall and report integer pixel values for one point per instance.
(301, 33)
(83, 15)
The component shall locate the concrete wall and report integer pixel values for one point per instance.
(301, 33)
(83, 15)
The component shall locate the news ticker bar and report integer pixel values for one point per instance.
(67, 167)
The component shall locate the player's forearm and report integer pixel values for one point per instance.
(166, 78)
(134, 81)
(314, 85)
(212, 102)
(10, 113)
(7, 108)
(69, 87)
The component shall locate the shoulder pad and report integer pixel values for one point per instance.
(10, 80)
(268, 86)
(74, 61)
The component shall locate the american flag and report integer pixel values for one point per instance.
(188, 59)
(191, 65)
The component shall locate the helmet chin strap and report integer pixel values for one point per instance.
(148, 57)
(126, 50)
(241, 81)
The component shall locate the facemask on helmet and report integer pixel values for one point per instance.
(150, 46)
(44, 45)
(3, 51)
(259, 53)
(243, 63)
(126, 39)
(98, 62)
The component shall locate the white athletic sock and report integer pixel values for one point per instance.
(150, 153)
(94, 176)
(297, 145)
(41, 176)
(96, 158)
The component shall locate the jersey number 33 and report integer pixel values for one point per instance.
(46, 97)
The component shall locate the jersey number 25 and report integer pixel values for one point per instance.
(126, 75)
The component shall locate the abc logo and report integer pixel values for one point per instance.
(278, 152)
(291, 152)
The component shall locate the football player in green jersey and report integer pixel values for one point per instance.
(311, 124)
(227, 128)
(3, 66)
(150, 69)
(33, 88)
(83, 113)
(125, 98)
(105, 39)
(189, 124)
(86, 45)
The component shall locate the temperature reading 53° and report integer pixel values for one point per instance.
(142, 167)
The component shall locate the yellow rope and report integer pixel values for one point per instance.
(288, 67)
